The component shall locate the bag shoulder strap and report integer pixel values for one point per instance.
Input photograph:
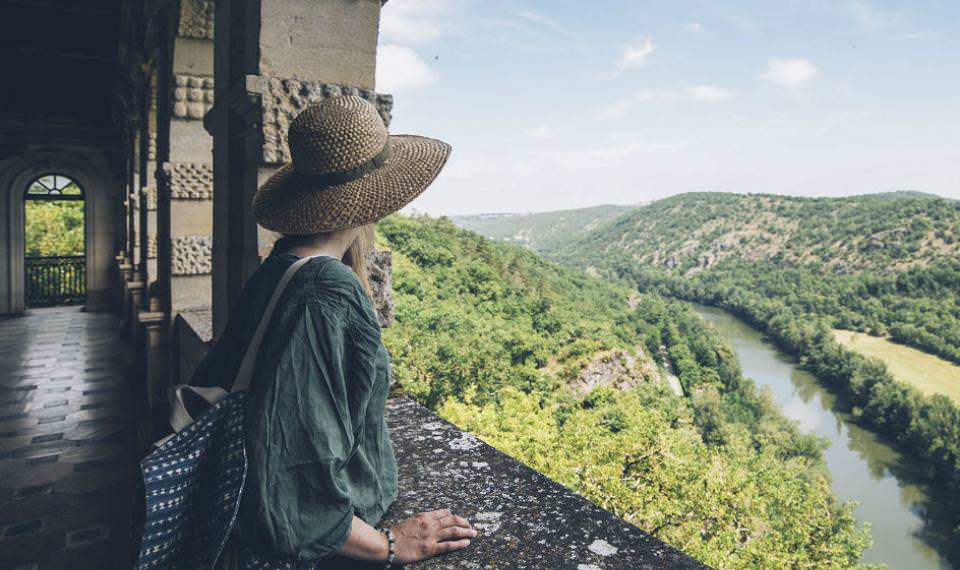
(245, 375)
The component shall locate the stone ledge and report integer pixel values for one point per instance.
(524, 519)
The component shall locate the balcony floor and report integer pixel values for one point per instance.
(66, 442)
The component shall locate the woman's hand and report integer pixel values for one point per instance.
(428, 534)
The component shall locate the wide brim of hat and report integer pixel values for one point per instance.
(289, 204)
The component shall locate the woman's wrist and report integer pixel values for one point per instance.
(391, 553)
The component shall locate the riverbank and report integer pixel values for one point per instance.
(909, 526)
(924, 371)
(927, 428)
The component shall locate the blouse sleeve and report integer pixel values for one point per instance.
(312, 422)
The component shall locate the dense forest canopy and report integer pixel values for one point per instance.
(503, 343)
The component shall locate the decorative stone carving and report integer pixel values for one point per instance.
(191, 181)
(149, 197)
(196, 19)
(283, 99)
(152, 146)
(192, 255)
(192, 96)
(151, 247)
(378, 274)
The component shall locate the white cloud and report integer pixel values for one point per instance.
(921, 36)
(790, 72)
(868, 17)
(694, 28)
(538, 132)
(709, 92)
(635, 54)
(617, 152)
(540, 20)
(862, 12)
(414, 21)
(399, 68)
(652, 95)
(621, 107)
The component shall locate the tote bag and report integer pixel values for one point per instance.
(194, 478)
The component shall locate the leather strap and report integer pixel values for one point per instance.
(180, 417)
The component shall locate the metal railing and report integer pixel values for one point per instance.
(56, 280)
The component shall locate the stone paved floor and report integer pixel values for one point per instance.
(66, 453)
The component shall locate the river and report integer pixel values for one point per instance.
(907, 533)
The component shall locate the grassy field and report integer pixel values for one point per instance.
(928, 373)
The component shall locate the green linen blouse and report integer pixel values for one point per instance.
(317, 444)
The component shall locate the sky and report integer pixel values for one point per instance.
(565, 103)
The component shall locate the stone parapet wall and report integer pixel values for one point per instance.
(523, 518)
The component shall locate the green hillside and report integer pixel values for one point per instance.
(800, 268)
(540, 231)
(691, 232)
(887, 264)
(567, 373)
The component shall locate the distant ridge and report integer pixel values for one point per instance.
(687, 233)
(541, 231)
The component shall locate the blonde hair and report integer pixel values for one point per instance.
(356, 254)
(364, 238)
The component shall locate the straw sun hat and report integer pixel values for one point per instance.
(346, 171)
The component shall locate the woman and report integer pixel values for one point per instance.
(321, 468)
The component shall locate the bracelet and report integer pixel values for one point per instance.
(390, 542)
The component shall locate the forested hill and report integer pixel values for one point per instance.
(687, 233)
(542, 231)
(579, 378)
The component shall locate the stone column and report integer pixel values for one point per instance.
(146, 198)
(188, 172)
(127, 255)
(273, 58)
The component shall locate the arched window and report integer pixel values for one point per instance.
(54, 187)
(54, 241)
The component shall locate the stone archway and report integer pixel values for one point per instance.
(100, 228)
(55, 257)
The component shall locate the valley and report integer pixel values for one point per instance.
(885, 267)
(628, 399)
(909, 529)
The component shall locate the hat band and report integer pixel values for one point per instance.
(350, 174)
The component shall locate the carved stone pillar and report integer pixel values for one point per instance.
(156, 329)
(146, 197)
(129, 190)
(188, 174)
(274, 57)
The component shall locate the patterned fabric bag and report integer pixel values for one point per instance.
(193, 479)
